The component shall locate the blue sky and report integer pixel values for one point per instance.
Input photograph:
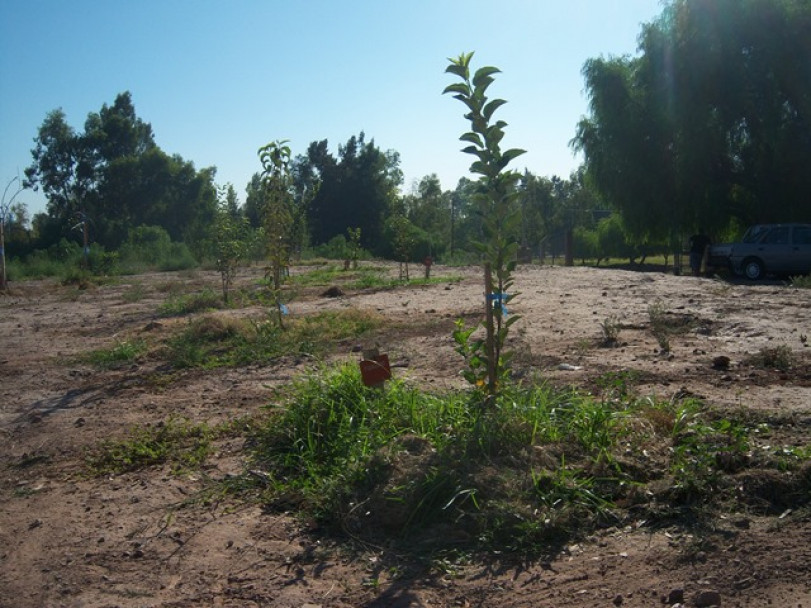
(219, 79)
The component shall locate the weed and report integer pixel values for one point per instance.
(801, 281)
(184, 304)
(773, 357)
(135, 293)
(79, 278)
(200, 342)
(659, 325)
(330, 274)
(790, 458)
(123, 353)
(567, 486)
(364, 276)
(593, 426)
(582, 345)
(611, 327)
(178, 442)
(617, 385)
(703, 450)
(24, 491)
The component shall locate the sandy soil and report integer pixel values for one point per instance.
(69, 539)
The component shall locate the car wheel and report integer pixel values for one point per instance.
(753, 269)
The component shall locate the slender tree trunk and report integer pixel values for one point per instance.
(86, 248)
(567, 247)
(2, 255)
(490, 344)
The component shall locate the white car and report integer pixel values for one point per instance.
(780, 249)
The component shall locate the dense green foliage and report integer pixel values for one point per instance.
(356, 190)
(711, 125)
(113, 175)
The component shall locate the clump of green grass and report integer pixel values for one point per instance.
(331, 273)
(773, 357)
(122, 353)
(544, 464)
(610, 328)
(183, 304)
(135, 293)
(213, 342)
(366, 276)
(200, 343)
(177, 442)
(801, 281)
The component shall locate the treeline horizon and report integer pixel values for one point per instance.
(707, 129)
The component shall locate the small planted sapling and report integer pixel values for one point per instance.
(403, 242)
(277, 213)
(5, 207)
(230, 238)
(496, 196)
(353, 245)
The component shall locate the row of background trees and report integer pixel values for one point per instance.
(708, 128)
(115, 179)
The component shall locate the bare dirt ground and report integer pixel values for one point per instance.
(75, 540)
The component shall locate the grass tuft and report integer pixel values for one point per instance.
(178, 442)
(773, 357)
(177, 305)
(123, 353)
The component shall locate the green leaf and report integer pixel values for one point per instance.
(481, 87)
(512, 154)
(511, 319)
(480, 167)
(474, 150)
(494, 136)
(457, 87)
(484, 75)
(473, 138)
(458, 70)
(491, 107)
(463, 60)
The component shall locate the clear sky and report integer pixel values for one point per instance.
(217, 79)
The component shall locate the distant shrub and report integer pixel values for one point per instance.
(150, 247)
(179, 257)
(35, 266)
(65, 260)
(335, 249)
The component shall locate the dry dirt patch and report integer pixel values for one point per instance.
(133, 540)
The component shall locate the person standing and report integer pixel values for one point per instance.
(699, 243)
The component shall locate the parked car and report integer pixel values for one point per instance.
(780, 249)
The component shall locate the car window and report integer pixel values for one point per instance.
(802, 235)
(776, 236)
(753, 234)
